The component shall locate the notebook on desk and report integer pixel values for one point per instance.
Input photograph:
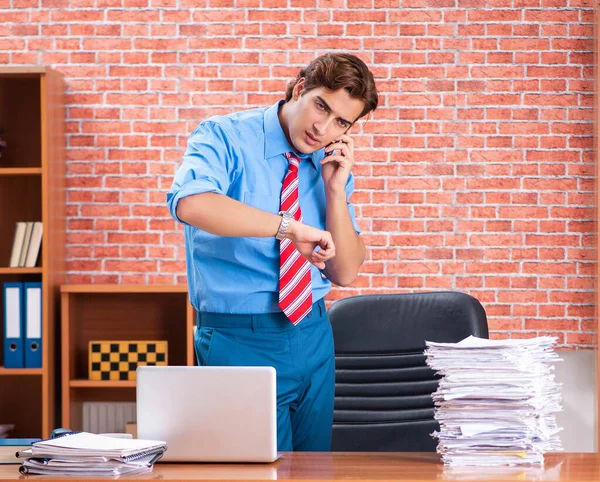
(209, 414)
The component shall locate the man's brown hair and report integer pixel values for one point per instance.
(336, 71)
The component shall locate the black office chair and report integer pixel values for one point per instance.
(382, 385)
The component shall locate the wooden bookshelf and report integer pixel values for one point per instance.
(117, 312)
(20, 171)
(32, 173)
(17, 372)
(39, 270)
(597, 229)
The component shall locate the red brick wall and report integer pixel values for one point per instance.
(475, 174)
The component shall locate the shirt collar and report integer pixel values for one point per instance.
(275, 141)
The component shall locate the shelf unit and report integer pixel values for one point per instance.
(32, 173)
(117, 312)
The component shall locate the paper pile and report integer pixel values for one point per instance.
(496, 401)
(89, 454)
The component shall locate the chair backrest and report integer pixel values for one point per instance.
(382, 385)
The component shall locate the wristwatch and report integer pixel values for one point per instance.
(285, 224)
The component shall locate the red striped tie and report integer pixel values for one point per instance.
(295, 288)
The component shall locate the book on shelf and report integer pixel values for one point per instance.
(26, 244)
(18, 238)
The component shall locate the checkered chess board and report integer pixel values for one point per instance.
(118, 360)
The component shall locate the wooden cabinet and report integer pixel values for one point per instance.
(32, 174)
(117, 312)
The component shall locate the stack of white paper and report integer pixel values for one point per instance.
(85, 453)
(496, 400)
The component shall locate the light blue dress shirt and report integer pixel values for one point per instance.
(241, 155)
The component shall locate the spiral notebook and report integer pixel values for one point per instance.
(84, 444)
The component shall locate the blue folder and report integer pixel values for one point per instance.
(32, 324)
(13, 325)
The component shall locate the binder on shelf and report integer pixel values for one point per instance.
(13, 325)
(32, 313)
(17, 244)
(34, 245)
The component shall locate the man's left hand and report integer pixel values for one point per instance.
(336, 167)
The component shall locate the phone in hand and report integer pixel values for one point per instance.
(330, 153)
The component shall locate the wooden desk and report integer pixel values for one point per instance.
(405, 467)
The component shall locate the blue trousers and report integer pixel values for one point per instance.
(302, 356)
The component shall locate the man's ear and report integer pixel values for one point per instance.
(298, 88)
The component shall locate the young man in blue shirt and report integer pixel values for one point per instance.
(263, 195)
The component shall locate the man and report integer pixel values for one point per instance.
(263, 195)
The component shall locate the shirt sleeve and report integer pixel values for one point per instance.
(351, 208)
(208, 166)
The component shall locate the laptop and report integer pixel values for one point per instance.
(209, 414)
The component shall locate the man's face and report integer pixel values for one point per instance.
(319, 116)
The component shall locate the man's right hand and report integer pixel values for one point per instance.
(306, 239)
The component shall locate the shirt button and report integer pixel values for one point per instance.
(309, 315)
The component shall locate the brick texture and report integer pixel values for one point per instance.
(475, 174)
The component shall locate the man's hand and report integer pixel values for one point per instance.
(336, 167)
(307, 238)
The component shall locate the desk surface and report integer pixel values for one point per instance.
(405, 467)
